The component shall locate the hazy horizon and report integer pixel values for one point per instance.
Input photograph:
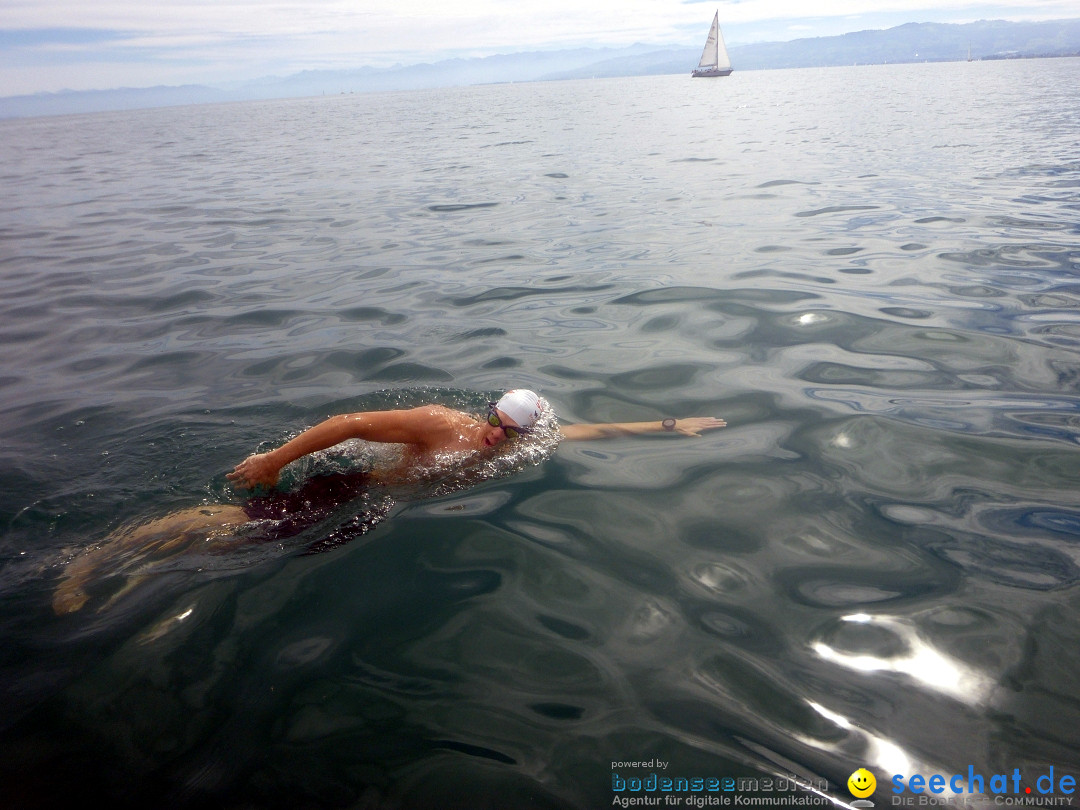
(58, 45)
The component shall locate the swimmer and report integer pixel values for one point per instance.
(428, 434)
(436, 431)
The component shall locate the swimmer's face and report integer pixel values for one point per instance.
(861, 783)
(497, 425)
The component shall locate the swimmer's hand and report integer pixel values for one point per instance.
(260, 468)
(695, 424)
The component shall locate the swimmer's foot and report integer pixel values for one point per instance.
(69, 597)
(122, 549)
(130, 584)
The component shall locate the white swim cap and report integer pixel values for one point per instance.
(521, 405)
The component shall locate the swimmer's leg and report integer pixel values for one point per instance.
(161, 535)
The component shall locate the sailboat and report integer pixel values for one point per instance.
(714, 59)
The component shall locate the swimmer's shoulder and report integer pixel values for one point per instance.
(441, 423)
(438, 415)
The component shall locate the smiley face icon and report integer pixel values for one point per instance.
(861, 783)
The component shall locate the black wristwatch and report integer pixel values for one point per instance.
(669, 424)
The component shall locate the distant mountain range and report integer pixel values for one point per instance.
(914, 42)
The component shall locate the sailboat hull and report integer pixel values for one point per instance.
(710, 73)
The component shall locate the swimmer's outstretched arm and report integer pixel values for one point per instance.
(419, 426)
(692, 426)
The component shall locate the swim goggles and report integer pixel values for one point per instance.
(511, 432)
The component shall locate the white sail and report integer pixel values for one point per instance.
(710, 54)
(723, 61)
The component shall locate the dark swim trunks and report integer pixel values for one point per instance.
(293, 512)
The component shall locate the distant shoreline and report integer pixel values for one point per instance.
(911, 43)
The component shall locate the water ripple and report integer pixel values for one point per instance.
(886, 532)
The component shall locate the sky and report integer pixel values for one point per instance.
(53, 45)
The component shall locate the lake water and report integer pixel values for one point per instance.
(870, 272)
